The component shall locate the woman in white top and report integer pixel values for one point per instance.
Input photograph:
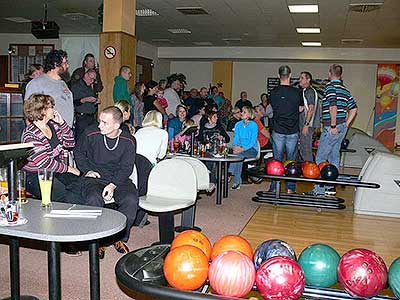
(151, 140)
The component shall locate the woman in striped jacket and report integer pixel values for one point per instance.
(51, 137)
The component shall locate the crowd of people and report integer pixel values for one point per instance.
(63, 118)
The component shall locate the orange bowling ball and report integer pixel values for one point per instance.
(186, 268)
(323, 164)
(311, 170)
(232, 242)
(193, 238)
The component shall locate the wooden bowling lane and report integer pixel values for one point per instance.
(341, 229)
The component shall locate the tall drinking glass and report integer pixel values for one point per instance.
(45, 183)
(3, 178)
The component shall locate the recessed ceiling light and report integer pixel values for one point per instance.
(303, 9)
(202, 43)
(308, 30)
(311, 44)
(161, 41)
(146, 12)
(18, 20)
(179, 31)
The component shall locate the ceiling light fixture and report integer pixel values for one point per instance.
(18, 20)
(308, 30)
(179, 31)
(232, 39)
(311, 44)
(303, 9)
(202, 43)
(146, 12)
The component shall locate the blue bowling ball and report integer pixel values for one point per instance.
(270, 249)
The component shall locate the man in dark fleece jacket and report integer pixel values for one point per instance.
(106, 155)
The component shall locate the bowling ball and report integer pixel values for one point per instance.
(274, 167)
(362, 273)
(329, 172)
(280, 278)
(304, 163)
(186, 267)
(293, 169)
(272, 248)
(394, 277)
(232, 274)
(311, 170)
(323, 164)
(288, 161)
(232, 242)
(345, 143)
(194, 238)
(319, 263)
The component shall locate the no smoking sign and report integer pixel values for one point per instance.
(110, 52)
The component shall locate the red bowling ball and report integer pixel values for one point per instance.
(362, 273)
(281, 278)
(274, 167)
(311, 170)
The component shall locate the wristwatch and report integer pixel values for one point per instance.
(307, 123)
(333, 126)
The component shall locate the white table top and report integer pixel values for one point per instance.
(65, 229)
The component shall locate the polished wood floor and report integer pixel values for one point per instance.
(341, 229)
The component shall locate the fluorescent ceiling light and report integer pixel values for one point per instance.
(308, 30)
(303, 9)
(161, 41)
(232, 39)
(179, 31)
(311, 44)
(146, 12)
(202, 43)
(18, 19)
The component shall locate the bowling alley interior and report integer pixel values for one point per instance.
(199, 149)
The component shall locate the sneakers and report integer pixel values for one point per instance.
(330, 191)
(211, 187)
(235, 187)
(312, 193)
(71, 250)
(121, 247)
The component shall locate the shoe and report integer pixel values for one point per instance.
(312, 193)
(121, 247)
(102, 252)
(256, 180)
(71, 250)
(331, 191)
(235, 187)
(211, 187)
(230, 178)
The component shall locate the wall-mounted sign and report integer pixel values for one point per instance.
(110, 52)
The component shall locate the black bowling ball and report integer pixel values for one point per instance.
(293, 169)
(329, 172)
(345, 143)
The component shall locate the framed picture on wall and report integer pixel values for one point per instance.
(22, 56)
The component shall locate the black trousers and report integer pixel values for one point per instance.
(88, 191)
(82, 121)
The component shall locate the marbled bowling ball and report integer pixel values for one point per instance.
(272, 248)
(311, 170)
(362, 273)
(293, 169)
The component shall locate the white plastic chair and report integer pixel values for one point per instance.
(202, 173)
(167, 194)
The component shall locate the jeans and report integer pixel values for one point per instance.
(306, 145)
(236, 168)
(329, 149)
(285, 143)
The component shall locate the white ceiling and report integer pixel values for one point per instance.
(266, 23)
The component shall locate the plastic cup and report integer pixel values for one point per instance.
(21, 186)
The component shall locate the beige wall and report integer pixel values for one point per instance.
(198, 73)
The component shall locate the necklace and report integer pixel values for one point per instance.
(110, 148)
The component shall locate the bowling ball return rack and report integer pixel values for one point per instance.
(279, 198)
(141, 272)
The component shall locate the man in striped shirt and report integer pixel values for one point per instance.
(338, 111)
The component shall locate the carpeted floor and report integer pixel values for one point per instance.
(216, 221)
